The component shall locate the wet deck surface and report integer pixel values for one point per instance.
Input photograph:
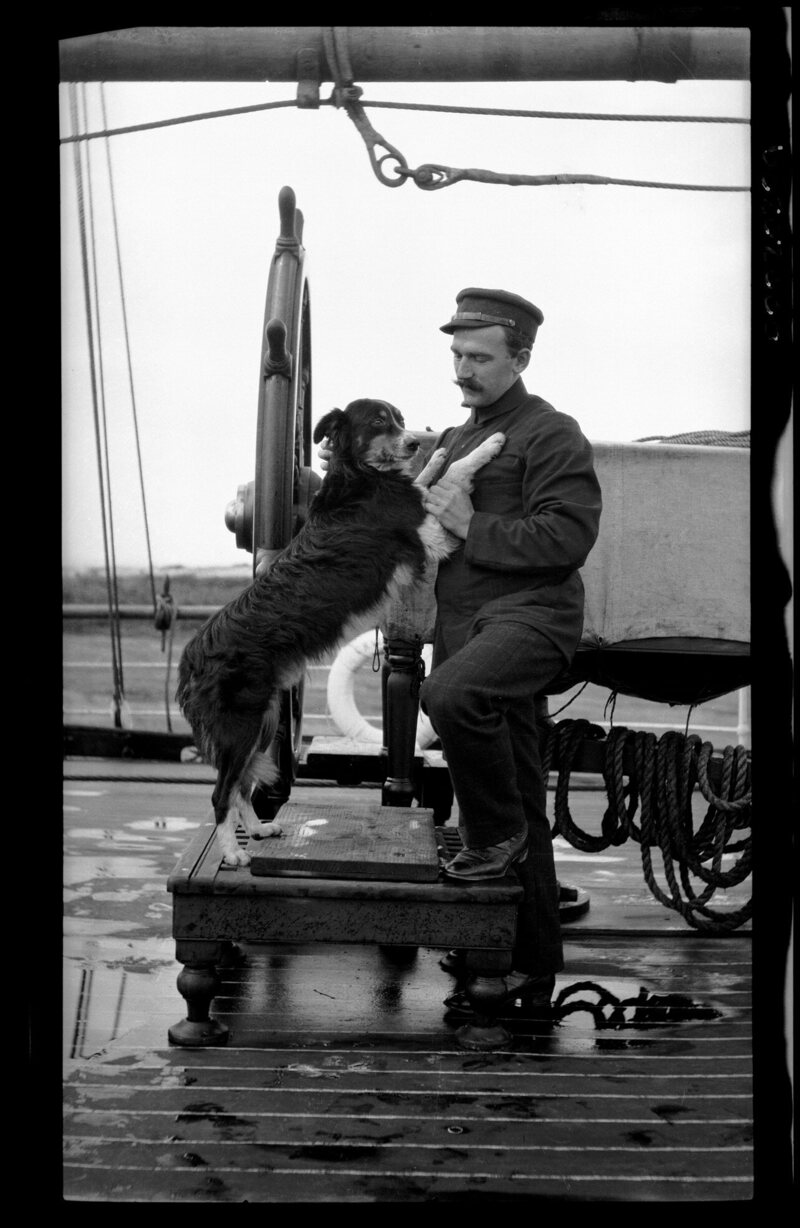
(342, 1080)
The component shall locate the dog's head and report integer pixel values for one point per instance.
(369, 434)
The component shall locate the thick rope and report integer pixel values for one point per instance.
(666, 775)
(725, 439)
(432, 176)
(646, 1007)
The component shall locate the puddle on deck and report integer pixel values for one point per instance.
(120, 970)
(126, 989)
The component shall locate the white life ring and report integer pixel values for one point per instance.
(341, 701)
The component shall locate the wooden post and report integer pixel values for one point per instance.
(401, 706)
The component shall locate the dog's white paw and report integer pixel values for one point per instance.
(239, 858)
(435, 462)
(494, 443)
(267, 831)
(232, 853)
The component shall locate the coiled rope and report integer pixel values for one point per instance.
(645, 1008)
(723, 439)
(663, 776)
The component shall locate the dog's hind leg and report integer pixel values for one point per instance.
(227, 798)
(241, 765)
(262, 770)
(232, 808)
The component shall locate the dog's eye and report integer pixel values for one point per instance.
(378, 421)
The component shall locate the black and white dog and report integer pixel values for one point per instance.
(366, 538)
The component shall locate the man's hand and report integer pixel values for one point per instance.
(451, 506)
(324, 452)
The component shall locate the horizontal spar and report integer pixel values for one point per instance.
(407, 53)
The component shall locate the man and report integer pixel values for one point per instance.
(509, 614)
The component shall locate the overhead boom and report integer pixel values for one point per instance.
(408, 53)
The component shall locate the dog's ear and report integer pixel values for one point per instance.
(330, 425)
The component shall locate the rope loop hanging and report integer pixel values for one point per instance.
(563, 744)
(663, 777)
(623, 799)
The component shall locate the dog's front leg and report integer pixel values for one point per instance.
(432, 469)
(232, 854)
(439, 543)
(462, 472)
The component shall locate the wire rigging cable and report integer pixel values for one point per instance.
(444, 108)
(126, 334)
(94, 329)
(431, 176)
(98, 409)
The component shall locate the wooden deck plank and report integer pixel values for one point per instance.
(602, 1078)
(635, 1132)
(295, 1125)
(349, 1184)
(656, 1111)
(456, 1158)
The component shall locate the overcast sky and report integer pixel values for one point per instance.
(645, 292)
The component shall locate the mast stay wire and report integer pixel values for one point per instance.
(165, 610)
(126, 333)
(432, 176)
(333, 101)
(163, 607)
(98, 409)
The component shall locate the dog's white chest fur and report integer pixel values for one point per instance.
(437, 542)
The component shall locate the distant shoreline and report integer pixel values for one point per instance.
(233, 569)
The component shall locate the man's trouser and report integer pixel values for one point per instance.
(481, 702)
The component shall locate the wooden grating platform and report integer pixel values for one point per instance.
(358, 841)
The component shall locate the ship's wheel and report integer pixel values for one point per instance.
(269, 511)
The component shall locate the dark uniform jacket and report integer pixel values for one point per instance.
(537, 511)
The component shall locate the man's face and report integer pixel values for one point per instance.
(484, 368)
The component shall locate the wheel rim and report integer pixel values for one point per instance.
(284, 482)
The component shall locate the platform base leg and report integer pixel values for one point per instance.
(198, 1034)
(199, 983)
(486, 991)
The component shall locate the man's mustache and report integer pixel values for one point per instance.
(467, 384)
